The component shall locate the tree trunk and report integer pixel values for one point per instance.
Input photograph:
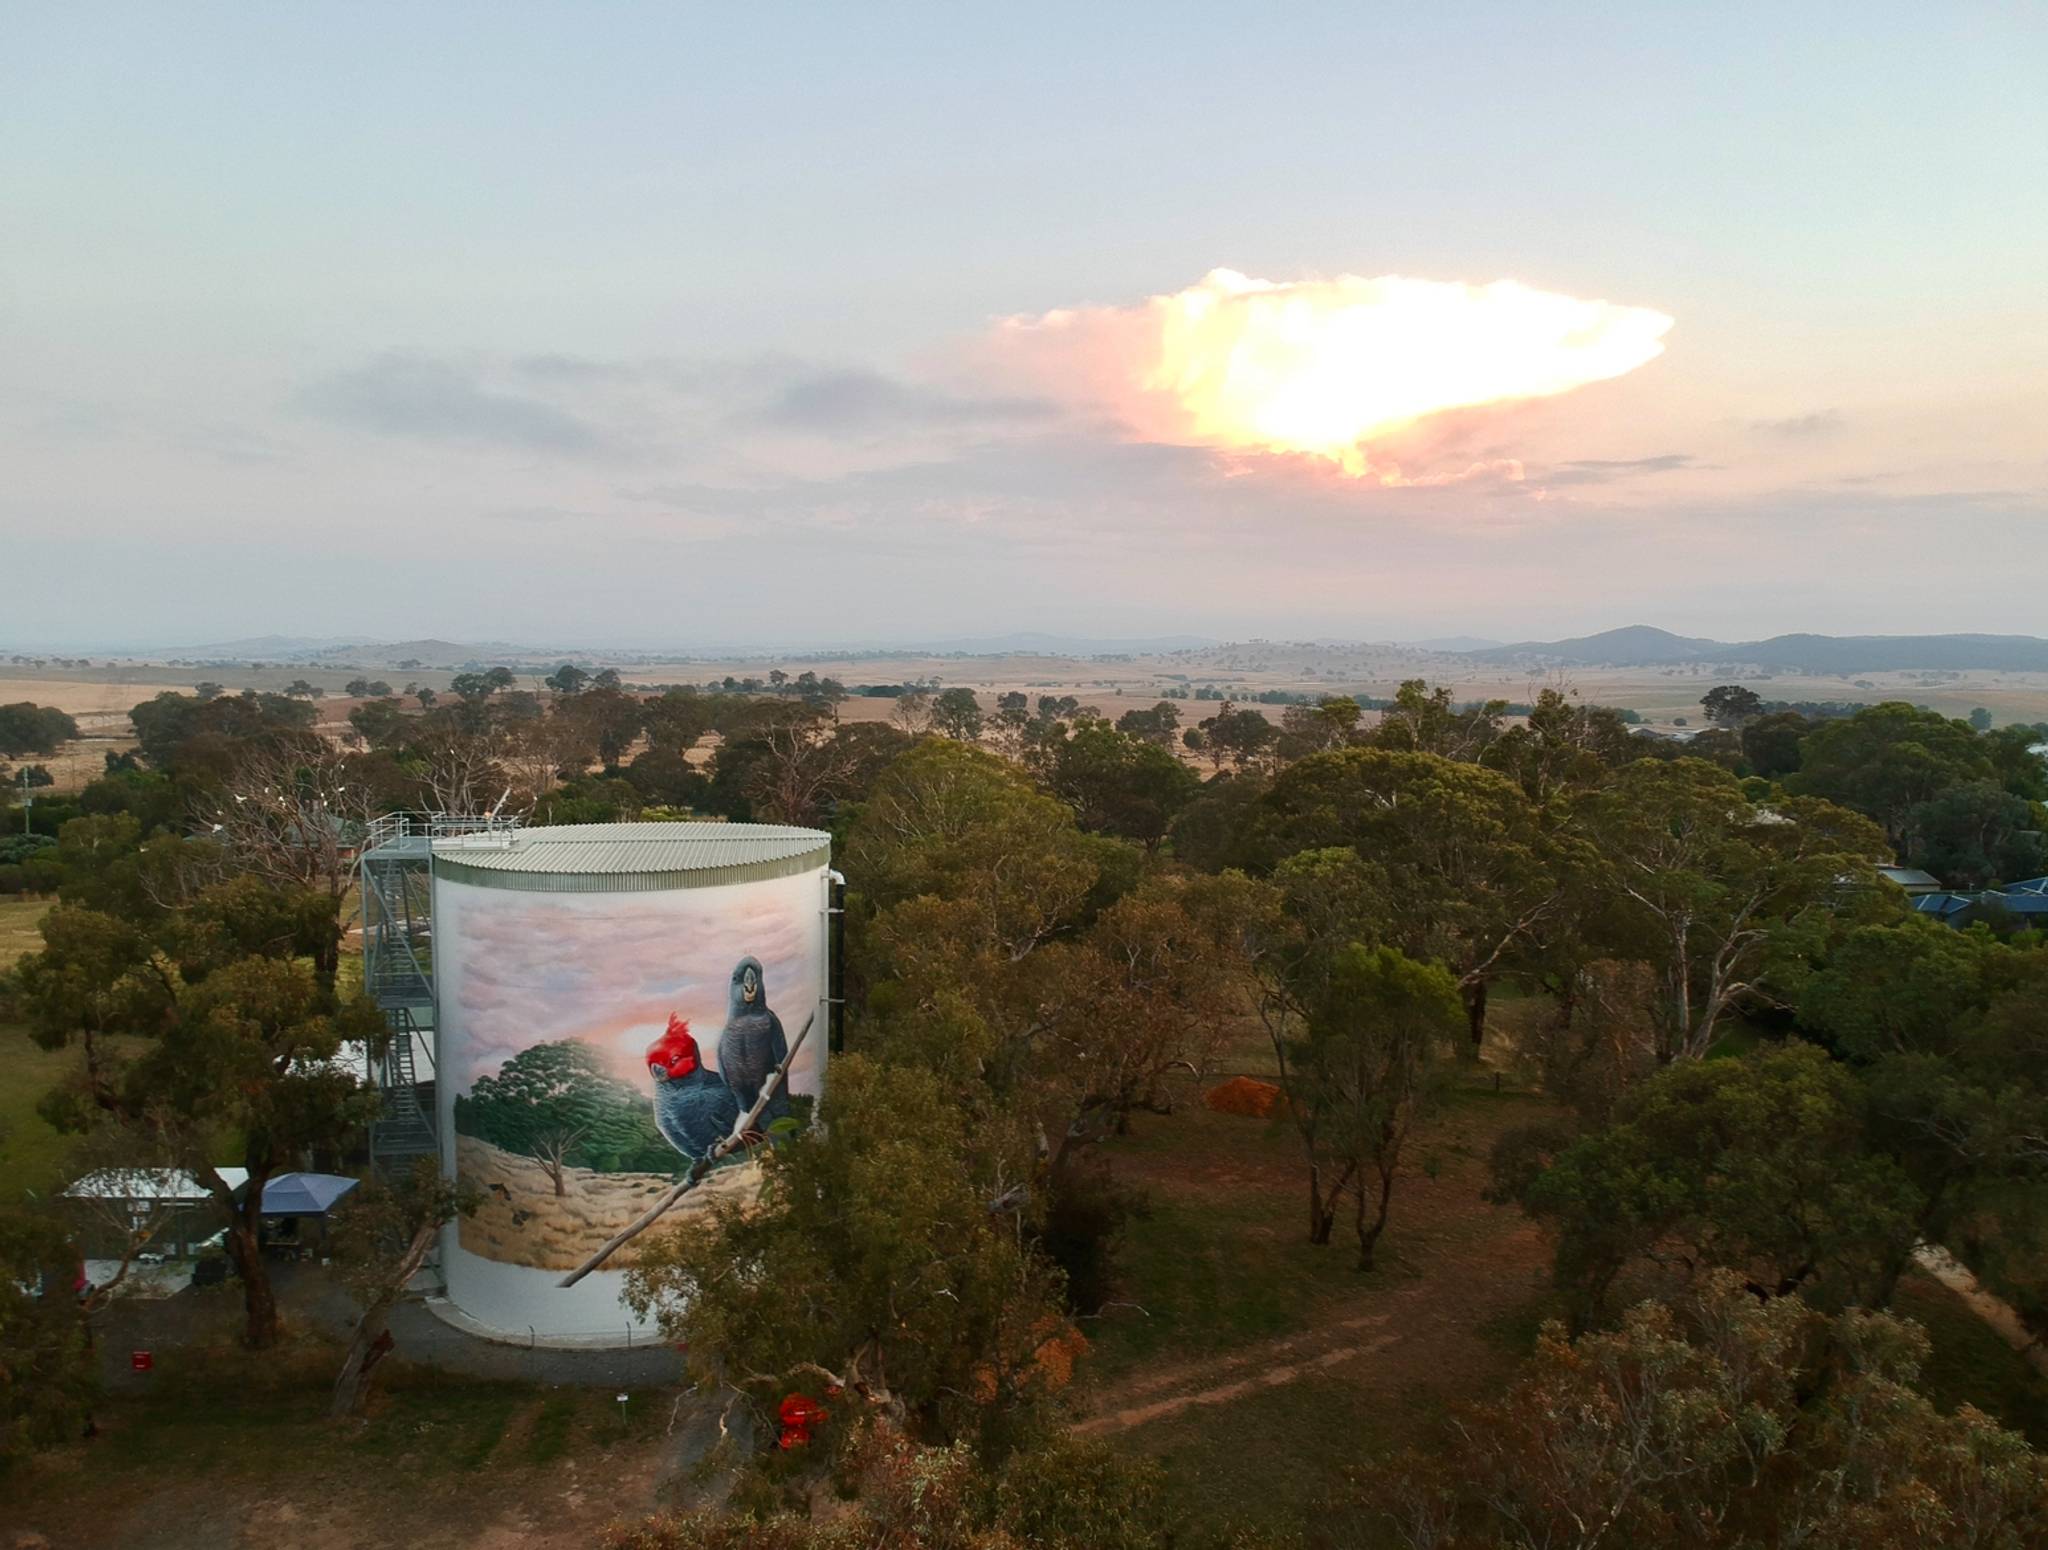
(352, 1386)
(1369, 1235)
(1322, 1209)
(372, 1340)
(327, 958)
(1475, 1013)
(259, 1300)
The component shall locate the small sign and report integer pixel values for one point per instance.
(141, 1361)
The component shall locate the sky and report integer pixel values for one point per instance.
(663, 325)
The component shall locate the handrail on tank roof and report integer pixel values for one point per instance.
(393, 828)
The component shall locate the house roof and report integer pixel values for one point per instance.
(1912, 879)
(166, 1184)
(625, 857)
(1942, 903)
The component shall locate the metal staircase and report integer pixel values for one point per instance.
(396, 878)
(406, 1127)
(398, 971)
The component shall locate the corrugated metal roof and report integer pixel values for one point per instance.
(617, 857)
(1942, 903)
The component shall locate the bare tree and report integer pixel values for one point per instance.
(290, 815)
(801, 765)
(464, 770)
(913, 711)
(535, 753)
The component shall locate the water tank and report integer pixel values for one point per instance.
(609, 997)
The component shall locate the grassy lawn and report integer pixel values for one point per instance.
(33, 1154)
(18, 933)
(212, 1442)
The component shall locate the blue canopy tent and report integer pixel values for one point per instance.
(292, 1198)
(304, 1194)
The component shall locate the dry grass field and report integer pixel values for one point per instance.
(528, 1224)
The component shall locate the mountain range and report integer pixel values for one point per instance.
(1643, 645)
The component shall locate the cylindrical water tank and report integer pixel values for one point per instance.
(609, 998)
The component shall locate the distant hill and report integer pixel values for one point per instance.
(314, 650)
(1891, 653)
(444, 653)
(267, 648)
(1030, 643)
(1643, 645)
(1454, 643)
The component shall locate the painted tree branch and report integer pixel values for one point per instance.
(701, 1168)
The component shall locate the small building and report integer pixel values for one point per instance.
(164, 1210)
(2028, 901)
(2022, 907)
(1912, 879)
(1951, 909)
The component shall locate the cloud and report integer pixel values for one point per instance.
(235, 444)
(1822, 422)
(840, 402)
(1607, 470)
(428, 400)
(1328, 368)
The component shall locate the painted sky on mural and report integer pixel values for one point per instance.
(787, 324)
(609, 968)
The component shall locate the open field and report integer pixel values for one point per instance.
(98, 695)
(18, 933)
(33, 1155)
(31, 1152)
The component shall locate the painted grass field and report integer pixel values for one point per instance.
(524, 1222)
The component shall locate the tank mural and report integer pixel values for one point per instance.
(600, 1044)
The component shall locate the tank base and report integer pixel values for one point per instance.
(535, 1340)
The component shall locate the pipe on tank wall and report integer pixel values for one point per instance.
(835, 962)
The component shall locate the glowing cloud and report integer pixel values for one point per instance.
(1326, 367)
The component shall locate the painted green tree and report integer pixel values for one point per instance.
(556, 1104)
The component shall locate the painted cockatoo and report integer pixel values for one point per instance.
(694, 1108)
(752, 1044)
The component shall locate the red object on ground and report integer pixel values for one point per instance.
(1243, 1095)
(799, 1413)
(142, 1361)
